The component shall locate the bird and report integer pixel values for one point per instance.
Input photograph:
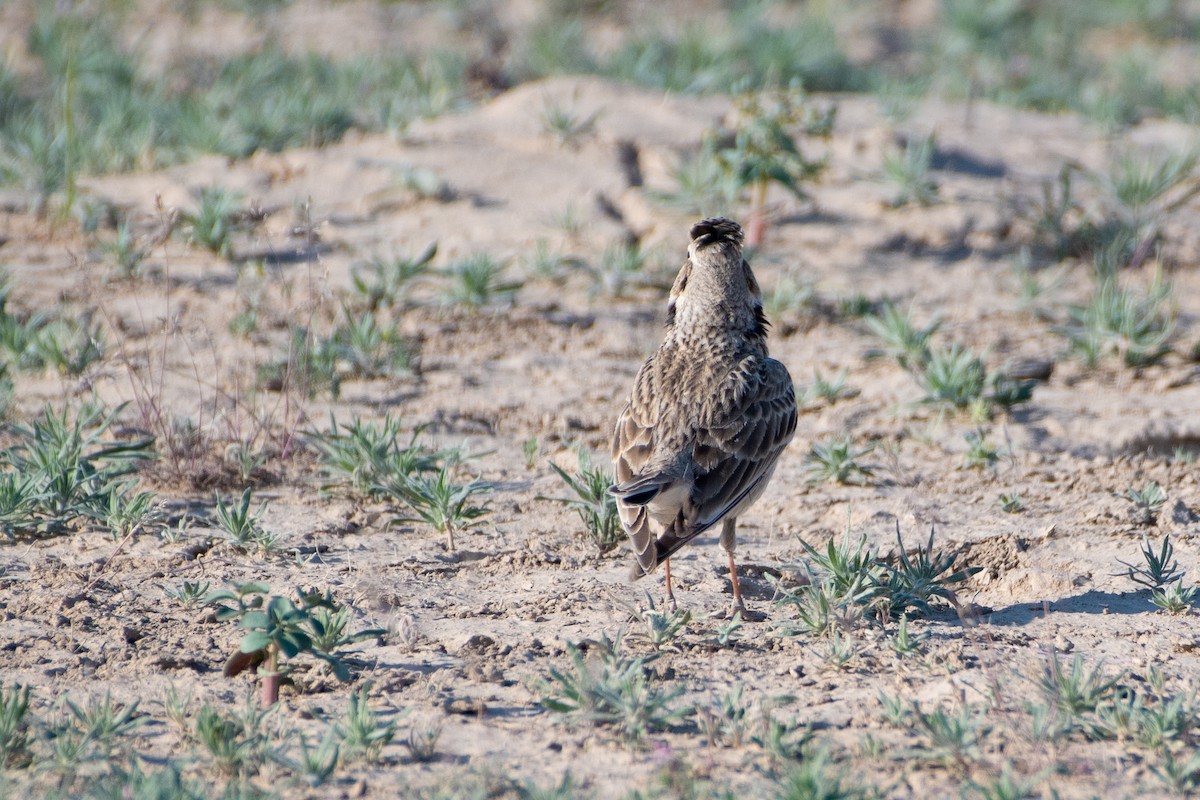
(709, 414)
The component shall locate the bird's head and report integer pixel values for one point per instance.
(715, 283)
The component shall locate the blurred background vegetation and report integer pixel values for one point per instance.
(116, 85)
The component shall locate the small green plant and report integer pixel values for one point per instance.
(727, 719)
(189, 594)
(619, 266)
(1011, 503)
(815, 778)
(103, 721)
(838, 460)
(1075, 691)
(1161, 566)
(915, 581)
(907, 343)
(125, 251)
(242, 526)
(727, 632)
(826, 391)
(363, 735)
(477, 282)
(1120, 322)
(315, 765)
(530, 448)
(565, 124)
(789, 295)
(128, 512)
(215, 219)
(1175, 598)
(226, 740)
(908, 171)
(369, 349)
(365, 456)
(703, 185)
(422, 742)
(954, 375)
(14, 729)
(765, 148)
(439, 502)
(981, 453)
(1006, 785)
(904, 642)
(593, 503)
(63, 473)
(384, 281)
(278, 630)
(1180, 774)
(605, 688)
(951, 739)
(1145, 502)
(660, 628)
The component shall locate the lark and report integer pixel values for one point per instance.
(709, 414)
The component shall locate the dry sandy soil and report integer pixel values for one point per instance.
(494, 617)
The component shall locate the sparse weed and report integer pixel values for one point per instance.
(1011, 503)
(425, 183)
(606, 688)
(125, 251)
(565, 124)
(215, 219)
(128, 512)
(661, 627)
(905, 643)
(703, 185)
(530, 449)
(242, 526)
(1076, 691)
(314, 765)
(1007, 785)
(951, 739)
(765, 149)
(1121, 322)
(365, 456)
(477, 282)
(226, 741)
(103, 722)
(1175, 598)
(593, 503)
(827, 391)
(908, 344)
(838, 460)
(1180, 774)
(727, 719)
(1161, 567)
(908, 171)
(727, 632)
(14, 729)
(913, 582)
(189, 594)
(422, 742)
(954, 375)
(438, 501)
(70, 471)
(363, 735)
(384, 281)
(277, 630)
(815, 778)
(789, 295)
(981, 453)
(619, 267)
(1145, 502)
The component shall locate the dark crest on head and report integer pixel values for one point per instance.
(716, 229)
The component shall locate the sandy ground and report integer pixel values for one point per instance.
(494, 617)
